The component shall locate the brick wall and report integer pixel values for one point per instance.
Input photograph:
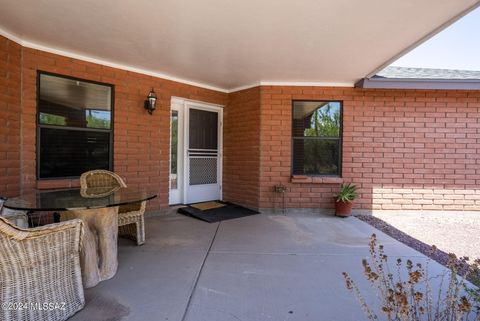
(141, 141)
(242, 148)
(10, 107)
(405, 149)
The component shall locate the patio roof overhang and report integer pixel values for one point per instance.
(228, 45)
(427, 84)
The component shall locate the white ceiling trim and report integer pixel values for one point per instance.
(11, 36)
(255, 84)
(293, 84)
(307, 84)
(121, 66)
(69, 54)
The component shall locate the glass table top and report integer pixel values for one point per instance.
(78, 199)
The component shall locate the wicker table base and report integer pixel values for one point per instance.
(99, 250)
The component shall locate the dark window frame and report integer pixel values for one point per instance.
(39, 126)
(340, 138)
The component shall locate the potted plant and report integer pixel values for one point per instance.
(344, 200)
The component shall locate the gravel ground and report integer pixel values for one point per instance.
(457, 233)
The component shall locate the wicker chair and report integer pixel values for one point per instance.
(19, 218)
(40, 266)
(131, 222)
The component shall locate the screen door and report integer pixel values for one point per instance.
(203, 154)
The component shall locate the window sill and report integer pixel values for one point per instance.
(302, 179)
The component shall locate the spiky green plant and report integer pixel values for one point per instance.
(348, 192)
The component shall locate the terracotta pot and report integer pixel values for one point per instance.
(343, 209)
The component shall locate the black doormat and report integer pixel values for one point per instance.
(227, 212)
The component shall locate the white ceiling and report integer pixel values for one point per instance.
(226, 44)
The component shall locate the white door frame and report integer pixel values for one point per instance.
(183, 106)
(176, 196)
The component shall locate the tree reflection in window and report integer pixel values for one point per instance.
(316, 129)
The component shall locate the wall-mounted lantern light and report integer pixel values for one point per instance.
(149, 104)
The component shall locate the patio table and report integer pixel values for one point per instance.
(98, 208)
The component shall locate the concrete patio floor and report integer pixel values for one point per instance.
(256, 268)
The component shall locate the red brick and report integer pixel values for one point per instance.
(400, 140)
(382, 136)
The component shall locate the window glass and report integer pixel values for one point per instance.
(76, 103)
(315, 119)
(174, 150)
(203, 129)
(66, 153)
(74, 126)
(316, 133)
(52, 119)
(315, 157)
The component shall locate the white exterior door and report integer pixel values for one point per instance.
(196, 164)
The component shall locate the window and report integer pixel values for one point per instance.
(174, 150)
(316, 135)
(74, 132)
